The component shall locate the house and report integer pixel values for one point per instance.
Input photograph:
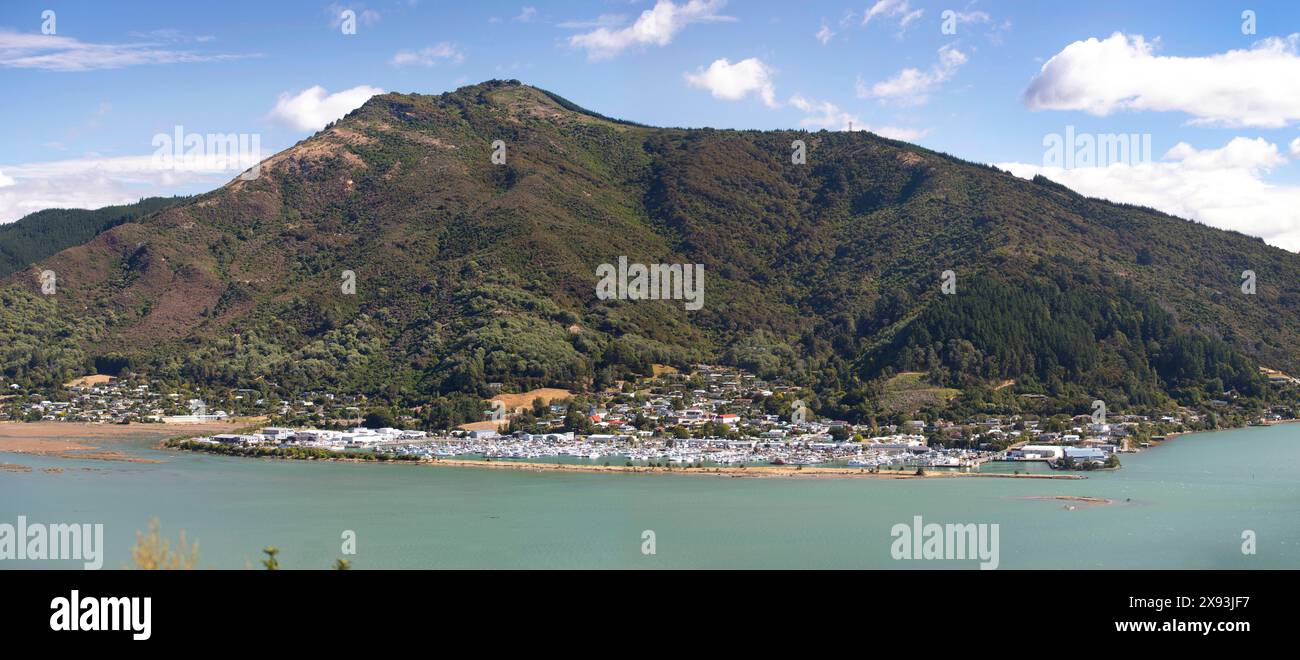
(314, 435)
(1038, 452)
(1086, 454)
(236, 439)
(277, 433)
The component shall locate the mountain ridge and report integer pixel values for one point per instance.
(470, 272)
(42, 233)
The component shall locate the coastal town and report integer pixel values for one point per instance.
(709, 416)
(725, 416)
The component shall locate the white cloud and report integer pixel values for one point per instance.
(526, 15)
(1295, 147)
(824, 114)
(654, 27)
(56, 53)
(1222, 187)
(430, 56)
(824, 35)
(173, 35)
(734, 82)
(89, 183)
(897, 132)
(913, 86)
(892, 8)
(971, 17)
(1259, 86)
(604, 20)
(312, 108)
(95, 181)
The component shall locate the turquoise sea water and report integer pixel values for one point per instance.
(1181, 505)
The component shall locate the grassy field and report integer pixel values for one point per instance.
(908, 392)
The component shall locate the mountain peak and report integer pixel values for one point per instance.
(516, 99)
(469, 269)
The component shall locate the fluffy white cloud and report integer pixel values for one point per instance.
(900, 9)
(1222, 187)
(57, 53)
(88, 183)
(913, 86)
(312, 108)
(430, 56)
(824, 114)
(1295, 147)
(733, 82)
(1259, 86)
(526, 15)
(654, 27)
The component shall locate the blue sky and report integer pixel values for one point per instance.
(1221, 106)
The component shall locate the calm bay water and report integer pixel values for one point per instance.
(1182, 505)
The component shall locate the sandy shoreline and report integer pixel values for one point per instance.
(79, 441)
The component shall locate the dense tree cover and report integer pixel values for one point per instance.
(471, 276)
(39, 347)
(1061, 328)
(43, 233)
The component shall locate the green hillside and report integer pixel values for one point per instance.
(825, 273)
(38, 235)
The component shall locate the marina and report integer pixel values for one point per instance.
(886, 452)
(1183, 504)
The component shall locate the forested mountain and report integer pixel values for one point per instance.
(43, 233)
(828, 273)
